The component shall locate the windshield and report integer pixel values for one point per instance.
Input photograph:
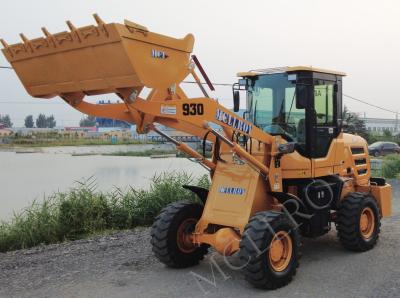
(272, 101)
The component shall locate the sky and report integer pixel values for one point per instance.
(361, 38)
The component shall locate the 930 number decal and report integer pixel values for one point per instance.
(193, 109)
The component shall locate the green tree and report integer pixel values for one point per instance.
(41, 121)
(6, 121)
(355, 125)
(45, 122)
(387, 134)
(29, 121)
(87, 121)
(51, 122)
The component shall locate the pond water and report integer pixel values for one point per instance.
(30, 176)
(25, 177)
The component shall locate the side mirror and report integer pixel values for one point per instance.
(343, 124)
(286, 148)
(236, 101)
(302, 95)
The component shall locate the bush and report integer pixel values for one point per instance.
(37, 224)
(83, 211)
(391, 166)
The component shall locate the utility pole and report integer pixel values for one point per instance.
(397, 122)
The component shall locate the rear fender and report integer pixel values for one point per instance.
(201, 192)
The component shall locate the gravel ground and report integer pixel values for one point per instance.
(122, 265)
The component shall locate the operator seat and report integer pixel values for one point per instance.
(301, 131)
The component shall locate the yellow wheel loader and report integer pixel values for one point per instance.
(282, 170)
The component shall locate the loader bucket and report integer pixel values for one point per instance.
(99, 59)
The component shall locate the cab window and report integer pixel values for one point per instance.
(323, 103)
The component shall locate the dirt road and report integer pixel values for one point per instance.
(122, 265)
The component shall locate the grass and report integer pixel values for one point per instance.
(84, 211)
(390, 167)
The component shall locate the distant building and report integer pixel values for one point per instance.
(379, 125)
(106, 122)
(5, 132)
(24, 132)
(81, 128)
(103, 129)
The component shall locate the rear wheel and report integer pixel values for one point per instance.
(358, 222)
(270, 250)
(171, 235)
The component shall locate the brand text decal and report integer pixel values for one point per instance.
(232, 190)
(233, 122)
(158, 54)
(168, 109)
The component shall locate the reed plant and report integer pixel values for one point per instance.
(83, 210)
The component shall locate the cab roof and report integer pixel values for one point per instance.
(289, 69)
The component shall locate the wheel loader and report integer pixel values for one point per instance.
(281, 170)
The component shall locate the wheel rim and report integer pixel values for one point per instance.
(367, 223)
(280, 251)
(184, 235)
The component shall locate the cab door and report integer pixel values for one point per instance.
(324, 128)
(323, 114)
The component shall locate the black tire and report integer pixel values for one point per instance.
(348, 222)
(376, 154)
(164, 235)
(257, 237)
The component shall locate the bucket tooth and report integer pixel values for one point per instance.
(46, 32)
(100, 23)
(4, 43)
(49, 36)
(136, 26)
(74, 30)
(26, 41)
(24, 38)
(6, 47)
(98, 20)
(71, 26)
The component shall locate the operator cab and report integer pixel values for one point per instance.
(302, 104)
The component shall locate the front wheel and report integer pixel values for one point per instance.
(171, 235)
(358, 222)
(270, 250)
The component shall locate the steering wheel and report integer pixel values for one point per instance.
(278, 129)
(274, 129)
